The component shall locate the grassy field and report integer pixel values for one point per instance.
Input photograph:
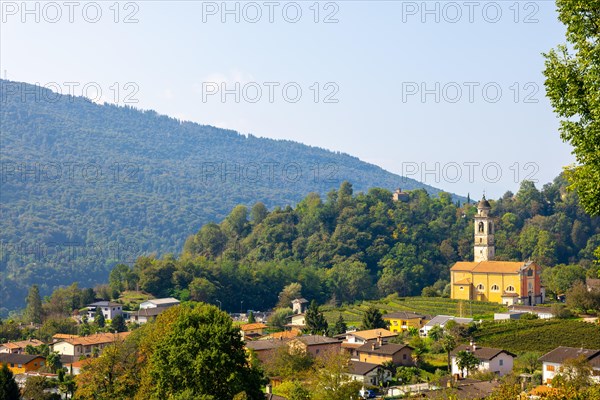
(425, 305)
(131, 299)
(538, 335)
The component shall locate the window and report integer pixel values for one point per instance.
(529, 272)
(317, 351)
(461, 288)
(495, 288)
(510, 288)
(404, 356)
(490, 228)
(395, 323)
(20, 365)
(481, 227)
(480, 240)
(501, 362)
(480, 287)
(550, 368)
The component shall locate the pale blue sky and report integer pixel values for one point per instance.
(377, 56)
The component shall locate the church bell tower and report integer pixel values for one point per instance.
(484, 232)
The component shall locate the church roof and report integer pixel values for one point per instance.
(483, 203)
(466, 281)
(504, 267)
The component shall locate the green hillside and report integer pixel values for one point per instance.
(85, 185)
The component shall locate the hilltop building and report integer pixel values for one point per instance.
(484, 279)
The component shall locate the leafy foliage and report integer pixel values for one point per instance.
(9, 390)
(372, 319)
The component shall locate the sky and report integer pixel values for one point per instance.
(448, 93)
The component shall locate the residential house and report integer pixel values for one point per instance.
(108, 308)
(399, 195)
(508, 315)
(380, 353)
(554, 360)
(541, 312)
(297, 321)
(159, 303)
(485, 279)
(145, 315)
(299, 306)
(265, 349)
(84, 345)
(464, 389)
(252, 331)
(19, 347)
(315, 345)
(21, 363)
(401, 321)
(75, 366)
(368, 374)
(292, 333)
(441, 321)
(353, 340)
(490, 359)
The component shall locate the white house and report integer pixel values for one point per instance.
(495, 360)
(108, 308)
(362, 337)
(78, 346)
(442, 320)
(155, 303)
(554, 360)
(367, 373)
(297, 321)
(299, 306)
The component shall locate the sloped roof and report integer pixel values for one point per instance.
(18, 358)
(301, 300)
(166, 300)
(311, 340)
(22, 344)
(292, 333)
(503, 267)
(561, 354)
(371, 334)
(258, 345)
(97, 338)
(385, 349)
(252, 326)
(465, 281)
(361, 368)
(149, 312)
(482, 353)
(105, 303)
(403, 315)
(442, 319)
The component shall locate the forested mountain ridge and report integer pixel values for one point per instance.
(348, 247)
(85, 186)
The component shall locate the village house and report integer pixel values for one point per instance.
(379, 353)
(554, 360)
(159, 303)
(401, 321)
(353, 340)
(490, 359)
(145, 315)
(441, 321)
(78, 346)
(252, 331)
(297, 321)
(368, 374)
(108, 308)
(315, 345)
(484, 279)
(292, 333)
(21, 363)
(19, 347)
(299, 306)
(265, 349)
(75, 366)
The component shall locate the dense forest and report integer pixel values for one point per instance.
(85, 186)
(346, 247)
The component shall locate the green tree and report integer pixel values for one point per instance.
(99, 319)
(258, 213)
(315, 321)
(372, 319)
(289, 293)
(465, 360)
(572, 82)
(448, 343)
(436, 333)
(33, 311)
(53, 362)
(199, 342)
(35, 389)
(340, 326)
(118, 324)
(9, 390)
(251, 318)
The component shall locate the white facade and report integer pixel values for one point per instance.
(108, 309)
(298, 320)
(501, 364)
(551, 369)
(154, 303)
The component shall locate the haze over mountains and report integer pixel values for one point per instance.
(85, 186)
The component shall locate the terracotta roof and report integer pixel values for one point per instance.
(482, 353)
(403, 315)
(561, 354)
(79, 363)
(285, 334)
(503, 267)
(22, 344)
(18, 358)
(97, 338)
(64, 336)
(370, 334)
(252, 326)
(385, 349)
(361, 368)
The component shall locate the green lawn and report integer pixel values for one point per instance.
(132, 299)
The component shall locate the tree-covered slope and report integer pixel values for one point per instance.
(87, 185)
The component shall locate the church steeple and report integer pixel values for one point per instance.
(484, 232)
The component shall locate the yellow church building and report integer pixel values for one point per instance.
(484, 279)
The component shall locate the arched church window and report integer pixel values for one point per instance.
(510, 289)
(495, 288)
(481, 227)
(480, 287)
